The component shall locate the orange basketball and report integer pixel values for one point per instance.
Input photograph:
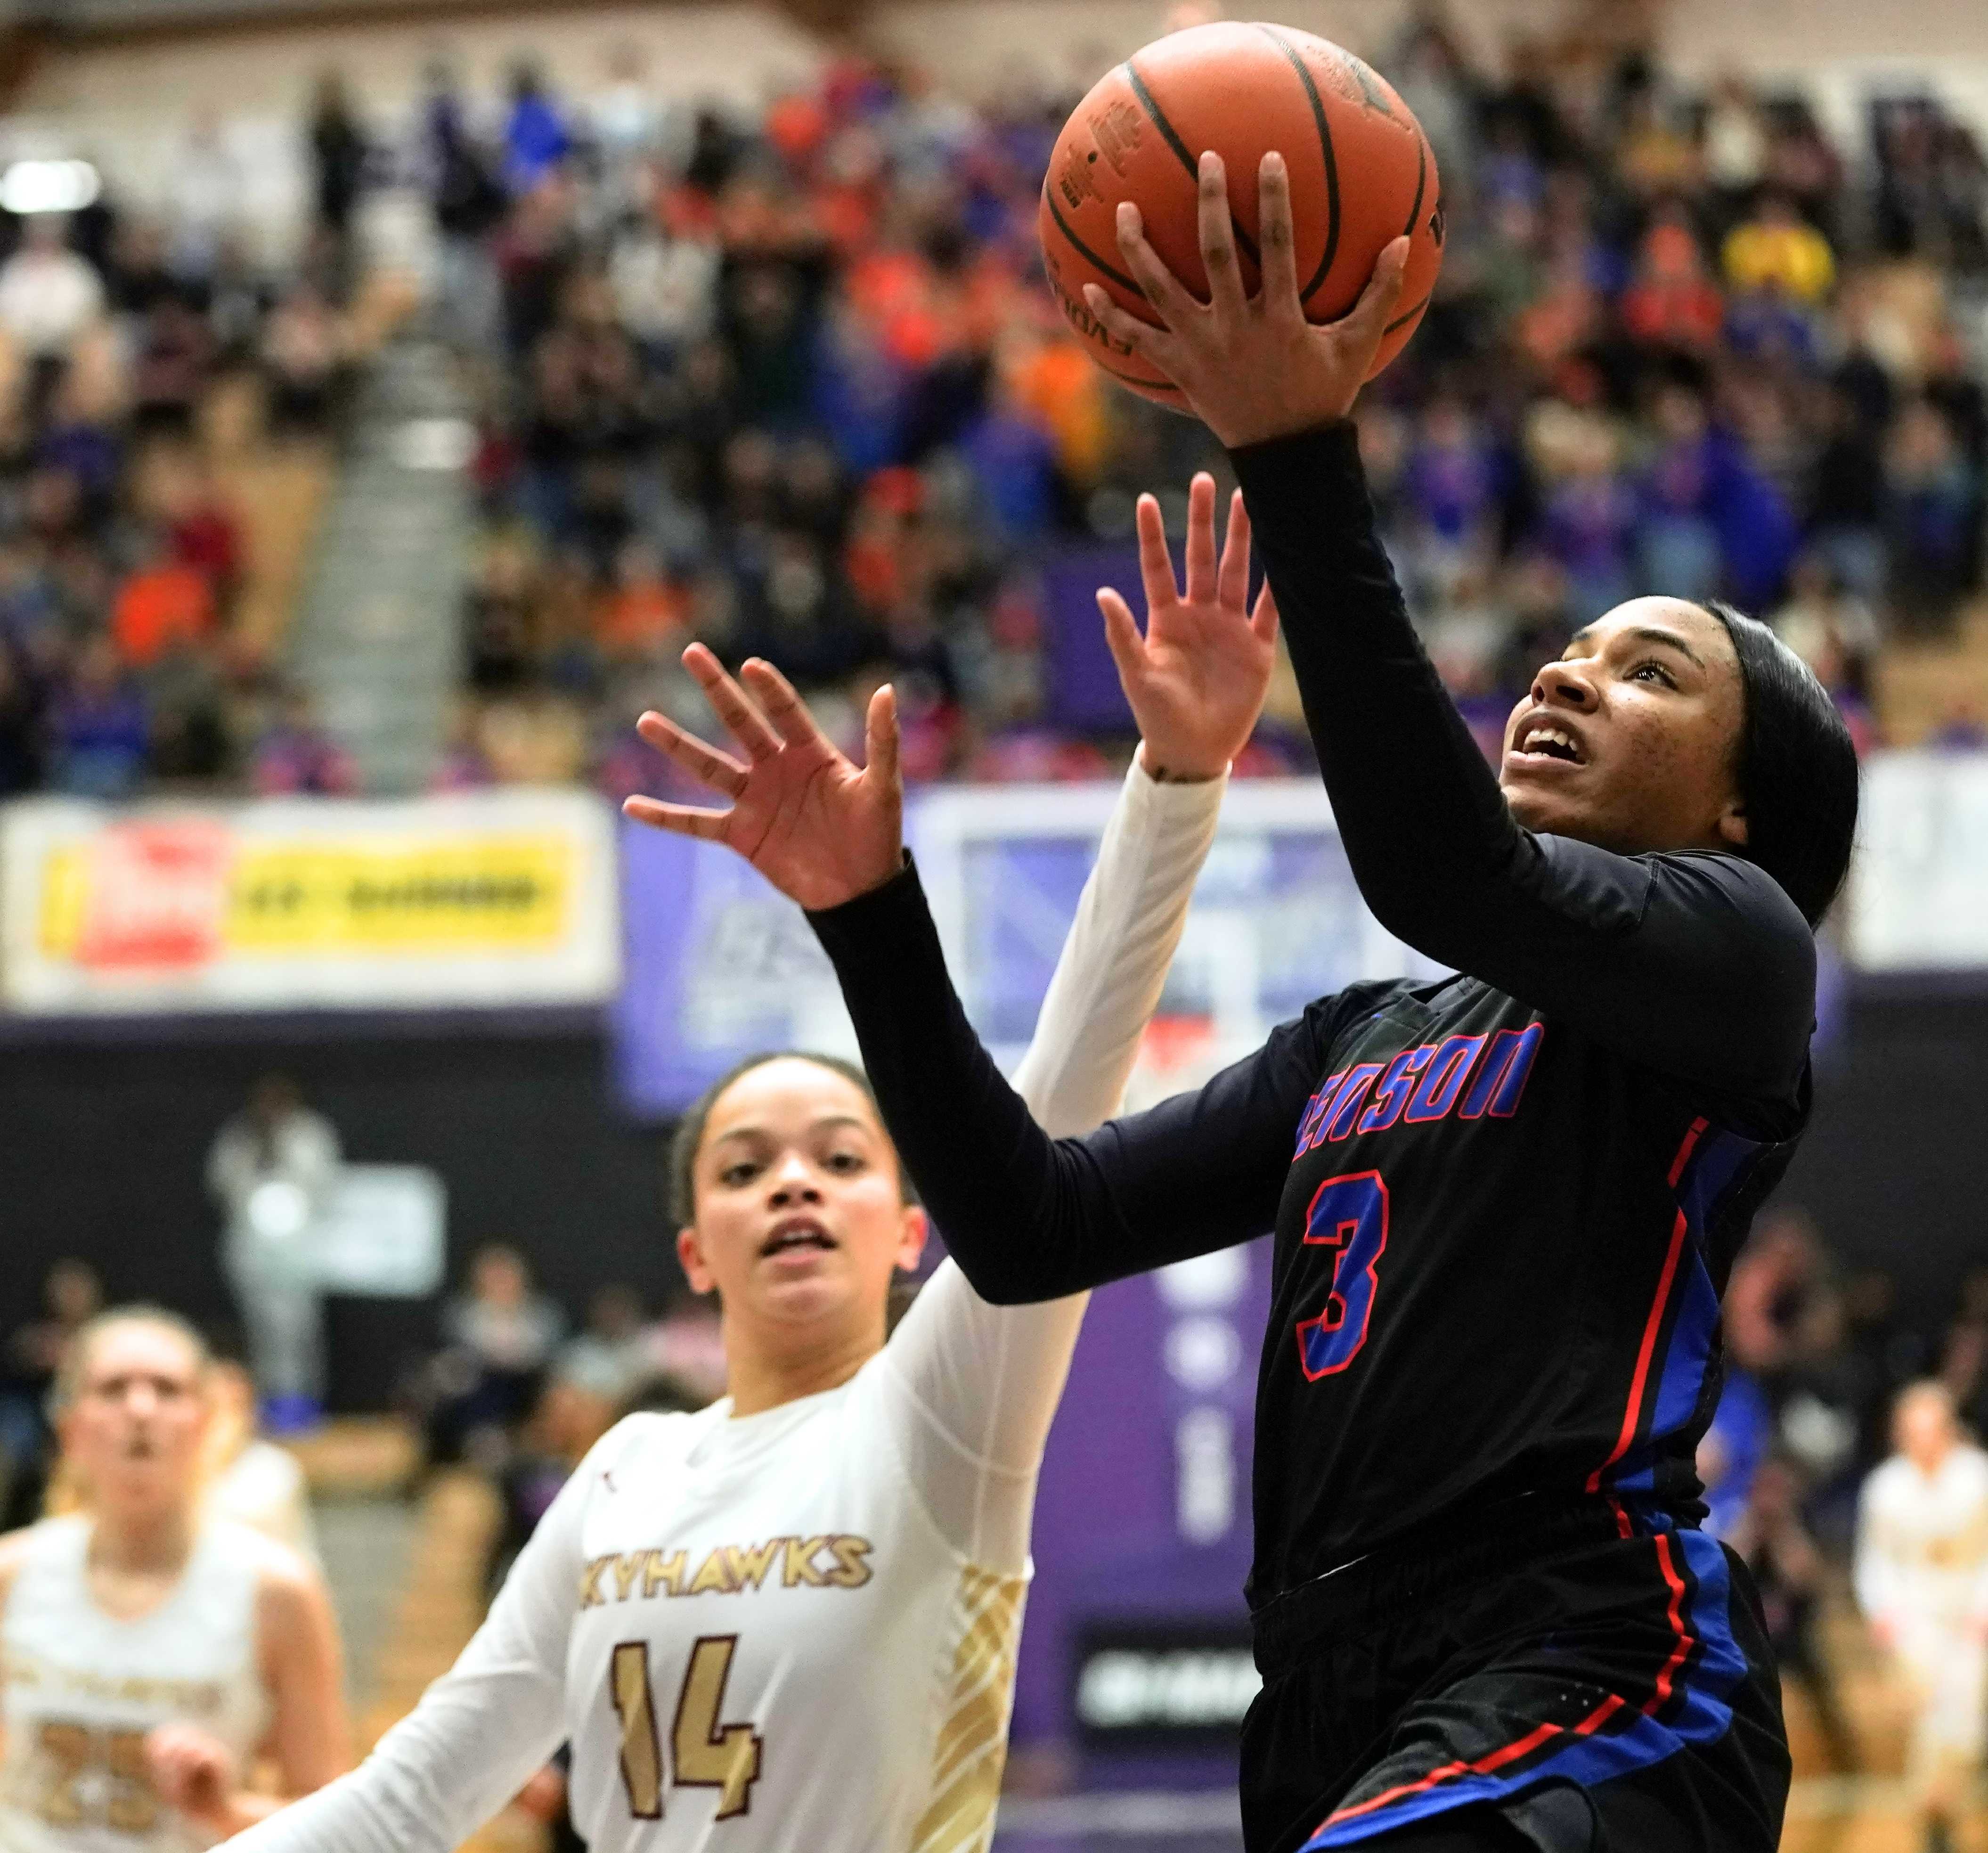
(1361, 174)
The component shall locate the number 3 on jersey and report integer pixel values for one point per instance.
(1349, 1215)
(706, 1754)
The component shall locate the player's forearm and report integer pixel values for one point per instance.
(1418, 810)
(987, 1172)
(1113, 964)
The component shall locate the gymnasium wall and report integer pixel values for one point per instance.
(104, 1143)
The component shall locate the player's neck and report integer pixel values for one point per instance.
(150, 1542)
(761, 1378)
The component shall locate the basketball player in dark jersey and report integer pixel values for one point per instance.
(1504, 1204)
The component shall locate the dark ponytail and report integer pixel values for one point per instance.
(1798, 771)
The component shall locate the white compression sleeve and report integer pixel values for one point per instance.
(977, 1384)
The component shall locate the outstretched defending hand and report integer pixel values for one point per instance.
(1197, 679)
(821, 829)
(1252, 367)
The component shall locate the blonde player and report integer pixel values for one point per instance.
(1922, 1575)
(789, 1621)
(151, 1654)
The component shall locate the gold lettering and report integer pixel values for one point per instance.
(751, 1562)
(590, 1583)
(661, 1570)
(800, 1563)
(626, 1567)
(852, 1572)
(714, 1573)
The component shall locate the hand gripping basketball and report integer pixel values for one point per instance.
(1252, 368)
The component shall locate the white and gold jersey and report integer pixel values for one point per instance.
(798, 1628)
(83, 1688)
(1923, 1541)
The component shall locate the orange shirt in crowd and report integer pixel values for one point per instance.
(641, 617)
(158, 606)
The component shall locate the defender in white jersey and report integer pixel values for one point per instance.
(1921, 1577)
(789, 1621)
(151, 1654)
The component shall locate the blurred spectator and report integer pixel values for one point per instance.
(100, 727)
(1932, 512)
(296, 756)
(1791, 1577)
(49, 294)
(1921, 1580)
(498, 1337)
(1777, 250)
(686, 1345)
(535, 140)
(338, 156)
(611, 1356)
(72, 1295)
(251, 1480)
(272, 1168)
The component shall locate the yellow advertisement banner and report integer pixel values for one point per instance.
(483, 898)
(113, 901)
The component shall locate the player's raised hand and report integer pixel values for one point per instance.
(822, 830)
(1197, 679)
(1252, 367)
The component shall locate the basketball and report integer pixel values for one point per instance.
(1361, 174)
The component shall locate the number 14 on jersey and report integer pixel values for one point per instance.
(704, 1754)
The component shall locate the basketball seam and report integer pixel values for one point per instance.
(1126, 379)
(1085, 251)
(1324, 127)
(1168, 135)
(1421, 181)
(1402, 321)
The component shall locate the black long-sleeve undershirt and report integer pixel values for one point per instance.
(1696, 966)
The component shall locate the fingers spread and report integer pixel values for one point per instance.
(1234, 589)
(1218, 236)
(783, 704)
(1121, 636)
(1156, 565)
(1276, 242)
(1157, 283)
(1366, 322)
(1263, 620)
(1201, 539)
(880, 737)
(684, 819)
(705, 763)
(746, 724)
(1140, 337)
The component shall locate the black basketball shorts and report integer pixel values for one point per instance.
(1594, 1672)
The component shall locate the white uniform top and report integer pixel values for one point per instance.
(83, 1688)
(798, 1628)
(1922, 1540)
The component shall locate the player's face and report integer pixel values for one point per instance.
(800, 1214)
(1630, 740)
(134, 1428)
(1924, 1430)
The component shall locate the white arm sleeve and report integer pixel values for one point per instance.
(972, 1387)
(481, 1729)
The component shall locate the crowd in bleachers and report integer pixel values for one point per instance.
(791, 383)
(122, 560)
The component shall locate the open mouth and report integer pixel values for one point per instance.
(796, 1233)
(1541, 741)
